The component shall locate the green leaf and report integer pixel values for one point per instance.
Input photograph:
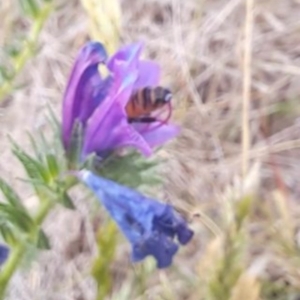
(107, 238)
(243, 209)
(19, 218)
(10, 195)
(8, 234)
(52, 165)
(38, 184)
(75, 147)
(57, 135)
(43, 241)
(56, 126)
(43, 144)
(34, 168)
(66, 201)
(5, 73)
(35, 147)
(13, 49)
(131, 169)
(29, 8)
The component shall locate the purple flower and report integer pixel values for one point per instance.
(3, 254)
(99, 103)
(149, 225)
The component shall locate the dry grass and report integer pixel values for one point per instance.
(237, 114)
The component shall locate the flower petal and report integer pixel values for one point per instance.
(112, 132)
(124, 79)
(131, 138)
(3, 254)
(99, 104)
(79, 94)
(128, 54)
(149, 225)
(149, 74)
(108, 127)
(156, 134)
(153, 246)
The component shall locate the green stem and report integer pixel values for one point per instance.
(19, 249)
(43, 211)
(9, 268)
(27, 51)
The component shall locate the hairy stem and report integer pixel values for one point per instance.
(19, 249)
(9, 268)
(27, 51)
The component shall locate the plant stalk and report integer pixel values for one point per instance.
(15, 258)
(28, 50)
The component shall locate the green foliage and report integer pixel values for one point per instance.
(229, 269)
(35, 169)
(106, 243)
(30, 8)
(19, 218)
(289, 108)
(231, 265)
(130, 169)
(48, 167)
(242, 210)
(19, 52)
(49, 172)
(142, 272)
(279, 289)
(52, 165)
(8, 233)
(74, 152)
(42, 240)
(13, 215)
(10, 195)
(66, 201)
(45, 167)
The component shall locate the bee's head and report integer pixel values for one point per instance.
(162, 95)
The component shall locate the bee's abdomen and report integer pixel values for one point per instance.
(146, 100)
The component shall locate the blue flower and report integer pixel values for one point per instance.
(149, 225)
(3, 254)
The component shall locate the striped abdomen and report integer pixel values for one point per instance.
(147, 100)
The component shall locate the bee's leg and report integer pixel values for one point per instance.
(142, 120)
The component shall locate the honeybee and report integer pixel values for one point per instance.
(145, 101)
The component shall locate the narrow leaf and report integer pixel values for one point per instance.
(58, 148)
(29, 7)
(44, 145)
(35, 147)
(5, 73)
(43, 241)
(53, 120)
(74, 151)
(19, 218)
(10, 195)
(34, 168)
(52, 165)
(66, 201)
(8, 234)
